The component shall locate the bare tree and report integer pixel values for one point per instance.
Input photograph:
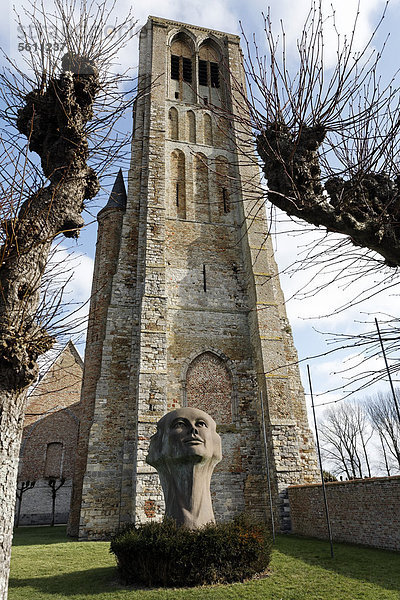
(328, 142)
(52, 481)
(344, 435)
(383, 417)
(64, 106)
(22, 487)
(328, 139)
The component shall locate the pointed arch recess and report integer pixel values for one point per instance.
(201, 189)
(207, 130)
(173, 124)
(182, 63)
(209, 384)
(191, 126)
(178, 183)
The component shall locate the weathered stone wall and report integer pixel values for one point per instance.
(50, 435)
(107, 250)
(362, 511)
(195, 283)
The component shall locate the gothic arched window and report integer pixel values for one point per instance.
(209, 387)
(181, 69)
(209, 75)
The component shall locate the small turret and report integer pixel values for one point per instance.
(110, 220)
(117, 197)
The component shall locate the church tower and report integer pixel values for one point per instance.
(187, 308)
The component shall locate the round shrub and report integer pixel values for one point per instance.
(163, 554)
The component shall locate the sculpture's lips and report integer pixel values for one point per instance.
(193, 442)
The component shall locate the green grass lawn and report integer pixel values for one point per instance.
(46, 565)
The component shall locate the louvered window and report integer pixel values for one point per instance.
(181, 68)
(202, 72)
(174, 67)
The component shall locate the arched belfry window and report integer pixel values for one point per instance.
(209, 387)
(209, 73)
(178, 184)
(182, 68)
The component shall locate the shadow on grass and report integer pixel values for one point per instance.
(379, 567)
(91, 581)
(29, 536)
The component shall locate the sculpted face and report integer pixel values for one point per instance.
(186, 434)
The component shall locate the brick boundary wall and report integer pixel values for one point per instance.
(362, 511)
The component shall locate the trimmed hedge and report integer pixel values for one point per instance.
(163, 554)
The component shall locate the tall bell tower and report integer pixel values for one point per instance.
(187, 309)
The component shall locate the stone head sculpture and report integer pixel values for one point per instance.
(185, 450)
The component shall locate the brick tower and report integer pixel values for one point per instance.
(187, 309)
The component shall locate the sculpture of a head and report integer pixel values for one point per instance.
(185, 435)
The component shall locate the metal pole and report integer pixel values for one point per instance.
(328, 522)
(267, 463)
(388, 371)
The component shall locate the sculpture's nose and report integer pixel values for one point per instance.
(194, 430)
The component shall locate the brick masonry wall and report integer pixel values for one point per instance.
(50, 437)
(362, 511)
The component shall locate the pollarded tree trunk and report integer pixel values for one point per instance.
(54, 120)
(365, 207)
(11, 422)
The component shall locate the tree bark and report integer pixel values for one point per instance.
(54, 121)
(11, 423)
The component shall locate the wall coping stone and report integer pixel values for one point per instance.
(348, 481)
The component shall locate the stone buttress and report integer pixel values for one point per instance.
(192, 313)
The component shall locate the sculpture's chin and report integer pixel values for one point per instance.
(192, 457)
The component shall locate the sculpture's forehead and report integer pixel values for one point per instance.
(185, 413)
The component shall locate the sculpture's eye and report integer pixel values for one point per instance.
(178, 424)
(201, 423)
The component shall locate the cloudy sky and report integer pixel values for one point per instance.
(303, 310)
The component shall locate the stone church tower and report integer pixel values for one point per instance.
(187, 308)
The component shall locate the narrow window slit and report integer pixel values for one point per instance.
(177, 194)
(204, 278)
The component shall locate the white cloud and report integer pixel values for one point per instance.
(71, 272)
